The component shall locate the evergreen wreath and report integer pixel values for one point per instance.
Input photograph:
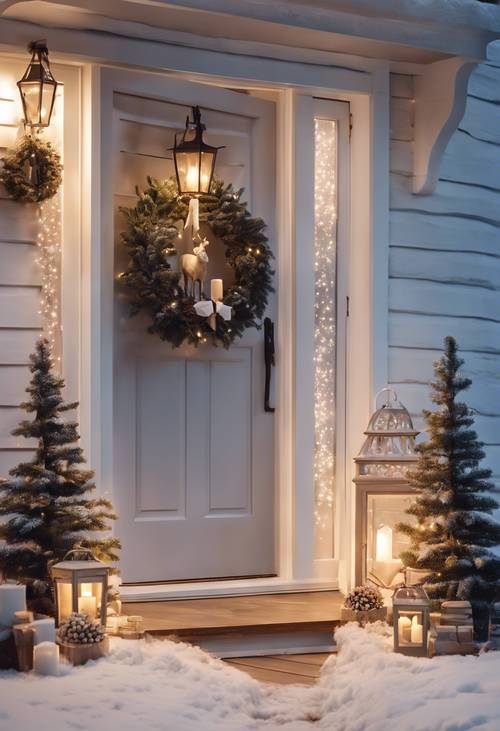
(153, 286)
(33, 171)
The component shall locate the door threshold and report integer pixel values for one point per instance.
(239, 587)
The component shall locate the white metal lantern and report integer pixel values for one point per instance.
(382, 490)
(410, 616)
(81, 585)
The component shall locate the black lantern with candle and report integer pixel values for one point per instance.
(194, 160)
(38, 87)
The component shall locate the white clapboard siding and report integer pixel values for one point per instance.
(484, 83)
(482, 120)
(10, 458)
(433, 231)
(18, 221)
(403, 86)
(16, 345)
(444, 259)
(469, 160)
(13, 382)
(19, 265)
(19, 307)
(9, 420)
(418, 330)
(450, 267)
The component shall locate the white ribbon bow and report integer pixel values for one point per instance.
(209, 308)
(193, 217)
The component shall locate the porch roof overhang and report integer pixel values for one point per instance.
(437, 41)
(395, 30)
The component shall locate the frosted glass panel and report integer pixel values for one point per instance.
(325, 260)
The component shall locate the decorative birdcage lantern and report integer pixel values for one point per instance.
(410, 616)
(382, 490)
(81, 586)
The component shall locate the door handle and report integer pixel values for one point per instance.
(269, 360)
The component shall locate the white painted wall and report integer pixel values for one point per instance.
(444, 263)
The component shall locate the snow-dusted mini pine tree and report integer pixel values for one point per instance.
(454, 531)
(46, 501)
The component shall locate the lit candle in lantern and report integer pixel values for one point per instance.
(404, 629)
(416, 631)
(216, 290)
(383, 549)
(87, 603)
(46, 658)
(192, 178)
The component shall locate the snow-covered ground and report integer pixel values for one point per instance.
(174, 687)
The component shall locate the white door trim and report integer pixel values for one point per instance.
(367, 286)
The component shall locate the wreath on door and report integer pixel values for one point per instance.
(154, 287)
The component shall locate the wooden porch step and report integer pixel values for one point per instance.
(282, 669)
(256, 625)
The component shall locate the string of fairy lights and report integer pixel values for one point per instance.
(49, 260)
(325, 256)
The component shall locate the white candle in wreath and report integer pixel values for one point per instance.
(216, 290)
(46, 658)
(12, 600)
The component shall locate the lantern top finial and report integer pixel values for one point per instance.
(414, 595)
(391, 418)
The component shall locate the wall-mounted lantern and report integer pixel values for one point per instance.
(38, 87)
(382, 490)
(194, 160)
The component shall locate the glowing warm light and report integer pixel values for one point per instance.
(325, 261)
(383, 547)
(49, 257)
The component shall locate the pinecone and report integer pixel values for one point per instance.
(364, 598)
(79, 629)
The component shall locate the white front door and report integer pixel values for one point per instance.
(193, 445)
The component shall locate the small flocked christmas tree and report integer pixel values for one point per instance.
(46, 501)
(454, 531)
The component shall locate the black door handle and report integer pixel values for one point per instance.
(268, 359)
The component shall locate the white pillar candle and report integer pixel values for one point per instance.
(87, 604)
(404, 629)
(46, 658)
(45, 630)
(383, 549)
(12, 600)
(417, 631)
(216, 290)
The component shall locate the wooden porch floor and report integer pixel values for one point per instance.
(188, 619)
(282, 669)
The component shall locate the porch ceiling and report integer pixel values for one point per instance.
(398, 30)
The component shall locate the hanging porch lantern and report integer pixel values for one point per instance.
(382, 489)
(194, 160)
(410, 616)
(38, 87)
(81, 585)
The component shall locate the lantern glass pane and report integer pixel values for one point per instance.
(48, 92)
(325, 325)
(30, 91)
(384, 544)
(64, 599)
(207, 162)
(90, 599)
(187, 171)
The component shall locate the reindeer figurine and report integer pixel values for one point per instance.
(194, 268)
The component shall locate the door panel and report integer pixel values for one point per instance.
(193, 447)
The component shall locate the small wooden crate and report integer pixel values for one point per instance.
(362, 618)
(80, 654)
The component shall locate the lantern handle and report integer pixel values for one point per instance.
(383, 390)
(79, 550)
